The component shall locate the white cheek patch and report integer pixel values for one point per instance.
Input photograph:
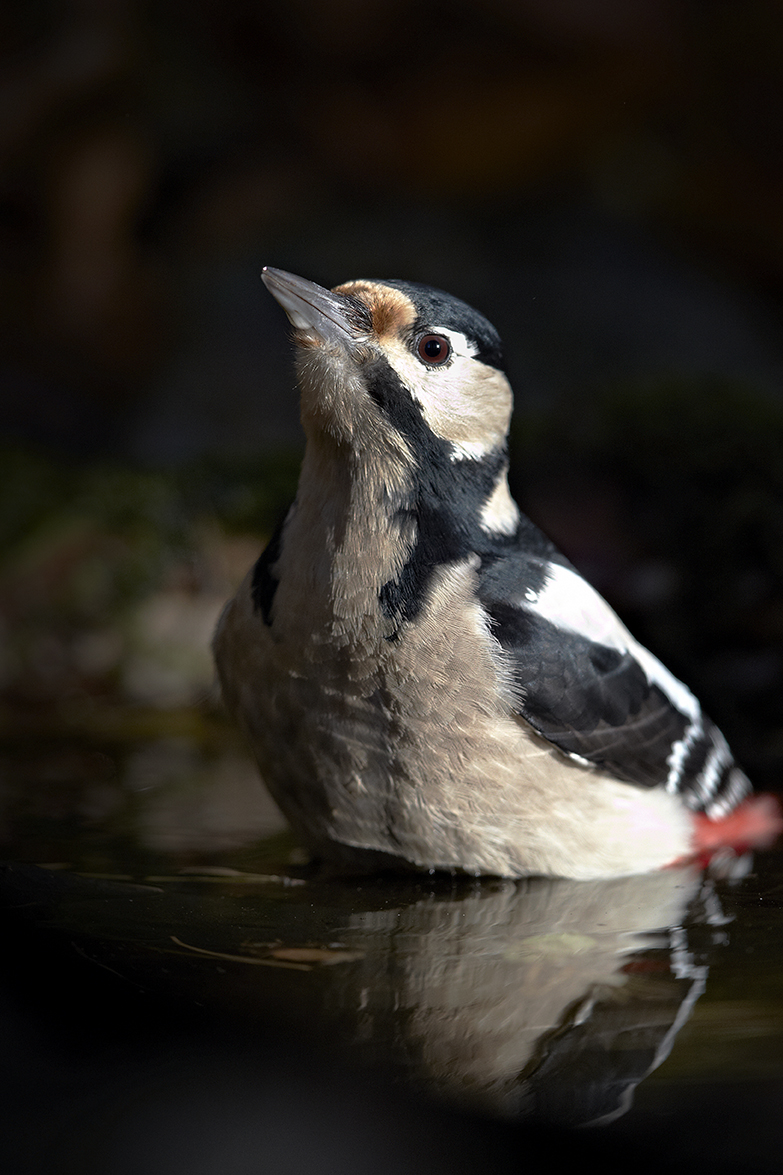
(570, 603)
(465, 402)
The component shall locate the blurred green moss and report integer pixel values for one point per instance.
(150, 513)
(112, 576)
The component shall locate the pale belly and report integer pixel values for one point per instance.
(372, 755)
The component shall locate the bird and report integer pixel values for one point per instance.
(426, 682)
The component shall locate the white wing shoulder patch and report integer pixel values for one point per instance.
(570, 603)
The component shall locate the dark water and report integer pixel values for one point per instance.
(174, 969)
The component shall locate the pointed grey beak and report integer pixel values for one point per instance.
(311, 308)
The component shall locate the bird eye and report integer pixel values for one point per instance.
(433, 349)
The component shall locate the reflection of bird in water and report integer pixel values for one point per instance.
(544, 998)
(424, 678)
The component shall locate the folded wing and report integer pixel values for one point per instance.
(593, 691)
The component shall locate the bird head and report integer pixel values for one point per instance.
(395, 363)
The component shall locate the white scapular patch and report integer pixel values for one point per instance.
(570, 603)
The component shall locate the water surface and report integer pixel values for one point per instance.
(649, 1007)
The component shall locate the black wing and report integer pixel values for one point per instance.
(601, 699)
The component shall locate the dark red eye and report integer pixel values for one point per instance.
(433, 349)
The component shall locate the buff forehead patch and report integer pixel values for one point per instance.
(391, 310)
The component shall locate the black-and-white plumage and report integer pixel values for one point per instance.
(424, 678)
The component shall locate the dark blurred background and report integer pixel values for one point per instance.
(603, 178)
